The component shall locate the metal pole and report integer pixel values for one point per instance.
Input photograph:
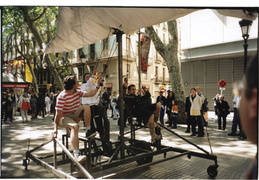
(139, 62)
(121, 102)
(245, 53)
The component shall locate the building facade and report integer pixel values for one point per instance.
(212, 49)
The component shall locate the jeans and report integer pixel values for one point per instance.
(235, 122)
(115, 110)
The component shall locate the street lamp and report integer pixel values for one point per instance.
(245, 28)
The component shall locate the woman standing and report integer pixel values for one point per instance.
(33, 102)
(223, 111)
(195, 113)
(169, 103)
(48, 103)
(24, 105)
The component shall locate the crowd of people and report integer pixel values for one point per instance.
(72, 105)
(29, 103)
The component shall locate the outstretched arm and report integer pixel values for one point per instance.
(94, 91)
(58, 116)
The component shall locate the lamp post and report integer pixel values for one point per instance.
(245, 28)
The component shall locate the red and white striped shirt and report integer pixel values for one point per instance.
(69, 103)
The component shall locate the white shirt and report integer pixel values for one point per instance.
(236, 100)
(88, 86)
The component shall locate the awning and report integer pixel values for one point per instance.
(81, 26)
(11, 81)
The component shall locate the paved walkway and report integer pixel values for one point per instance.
(233, 155)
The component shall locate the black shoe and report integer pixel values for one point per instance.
(193, 135)
(174, 127)
(242, 138)
(187, 131)
(200, 136)
(167, 122)
(232, 134)
(90, 134)
(169, 125)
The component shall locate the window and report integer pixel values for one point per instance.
(91, 69)
(128, 71)
(80, 72)
(156, 74)
(92, 52)
(128, 45)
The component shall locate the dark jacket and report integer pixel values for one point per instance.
(187, 105)
(161, 99)
(223, 108)
(133, 101)
(169, 103)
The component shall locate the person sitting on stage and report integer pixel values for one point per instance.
(69, 112)
(135, 105)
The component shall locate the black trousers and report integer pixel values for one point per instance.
(224, 118)
(197, 120)
(96, 119)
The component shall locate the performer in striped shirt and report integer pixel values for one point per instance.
(69, 112)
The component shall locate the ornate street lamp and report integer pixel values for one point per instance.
(245, 28)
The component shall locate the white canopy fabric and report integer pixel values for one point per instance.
(81, 26)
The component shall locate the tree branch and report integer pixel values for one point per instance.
(156, 40)
(43, 12)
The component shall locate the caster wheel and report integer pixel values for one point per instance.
(189, 156)
(212, 171)
(143, 145)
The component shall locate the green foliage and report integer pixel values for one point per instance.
(14, 25)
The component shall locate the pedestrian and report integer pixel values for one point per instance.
(195, 113)
(204, 107)
(248, 109)
(95, 116)
(51, 96)
(236, 120)
(3, 108)
(33, 102)
(105, 97)
(47, 103)
(187, 112)
(223, 111)
(8, 109)
(14, 102)
(55, 102)
(162, 100)
(24, 105)
(69, 112)
(169, 104)
(114, 100)
(174, 115)
(215, 100)
(41, 105)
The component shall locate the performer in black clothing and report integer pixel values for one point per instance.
(135, 103)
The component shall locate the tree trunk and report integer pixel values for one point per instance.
(37, 36)
(170, 54)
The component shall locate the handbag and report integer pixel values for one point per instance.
(174, 109)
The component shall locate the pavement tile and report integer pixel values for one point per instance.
(233, 155)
